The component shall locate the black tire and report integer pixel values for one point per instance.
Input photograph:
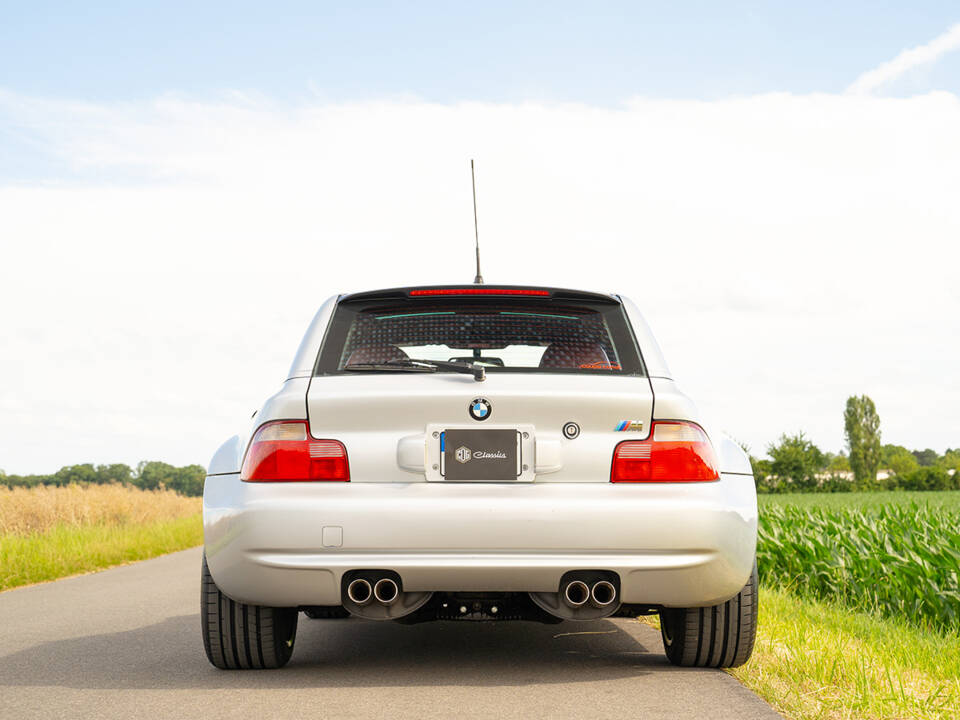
(239, 636)
(720, 636)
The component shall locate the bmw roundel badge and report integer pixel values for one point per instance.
(480, 408)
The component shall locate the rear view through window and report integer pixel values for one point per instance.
(499, 334)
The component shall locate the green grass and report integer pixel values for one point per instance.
(947, 499)
(821, 660)
(67, 550)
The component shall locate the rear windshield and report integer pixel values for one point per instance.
(503, 335)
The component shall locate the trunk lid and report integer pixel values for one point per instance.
(391, 424)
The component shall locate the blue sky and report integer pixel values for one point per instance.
(597, 53)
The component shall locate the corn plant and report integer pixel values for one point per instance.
(897, 560)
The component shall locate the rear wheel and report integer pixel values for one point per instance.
(240, 636)
(719, 636)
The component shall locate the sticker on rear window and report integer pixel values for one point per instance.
(599, 366)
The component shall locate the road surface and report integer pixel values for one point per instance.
(125, 643)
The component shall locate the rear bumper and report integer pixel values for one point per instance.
(289, 544)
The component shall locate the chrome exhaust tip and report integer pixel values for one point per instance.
(603, 593)
(386, 591)
(576, 593)
(359, 591)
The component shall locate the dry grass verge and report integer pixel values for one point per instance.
(51, 532)
(38, 509)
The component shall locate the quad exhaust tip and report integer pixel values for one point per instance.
(602, 594)
(576, 593)
(360, 592)
(386, 591)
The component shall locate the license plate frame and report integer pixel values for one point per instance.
(481, 455)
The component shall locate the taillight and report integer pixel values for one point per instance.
(674, 452)
(284, 452)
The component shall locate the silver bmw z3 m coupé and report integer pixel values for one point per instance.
(479, 453)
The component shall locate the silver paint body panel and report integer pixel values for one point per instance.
(288, 544)
(372, 414)
(679, 544)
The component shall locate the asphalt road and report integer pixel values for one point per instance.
(125, 643)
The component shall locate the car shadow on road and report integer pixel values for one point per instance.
(349, 653)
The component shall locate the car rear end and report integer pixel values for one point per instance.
(572, 480)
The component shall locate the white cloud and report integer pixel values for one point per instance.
(907, 60)
(788, 251)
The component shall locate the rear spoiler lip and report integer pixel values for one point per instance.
(404, 293)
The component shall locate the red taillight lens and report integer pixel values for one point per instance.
(674, 452)
(284, 452)
(480, 291)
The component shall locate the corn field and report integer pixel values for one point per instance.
(897, 560)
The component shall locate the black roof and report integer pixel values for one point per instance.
(479, 292)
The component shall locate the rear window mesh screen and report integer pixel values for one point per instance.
(507, 336)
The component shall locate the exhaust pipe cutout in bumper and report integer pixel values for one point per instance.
(379, 595)
(582, 595)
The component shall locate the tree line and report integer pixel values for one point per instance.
(795, 464)
(186, 480)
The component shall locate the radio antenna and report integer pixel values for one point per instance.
(478, 280)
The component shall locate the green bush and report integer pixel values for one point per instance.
(797, 461)
(187, 480)
(929, 478)
(898, 459)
